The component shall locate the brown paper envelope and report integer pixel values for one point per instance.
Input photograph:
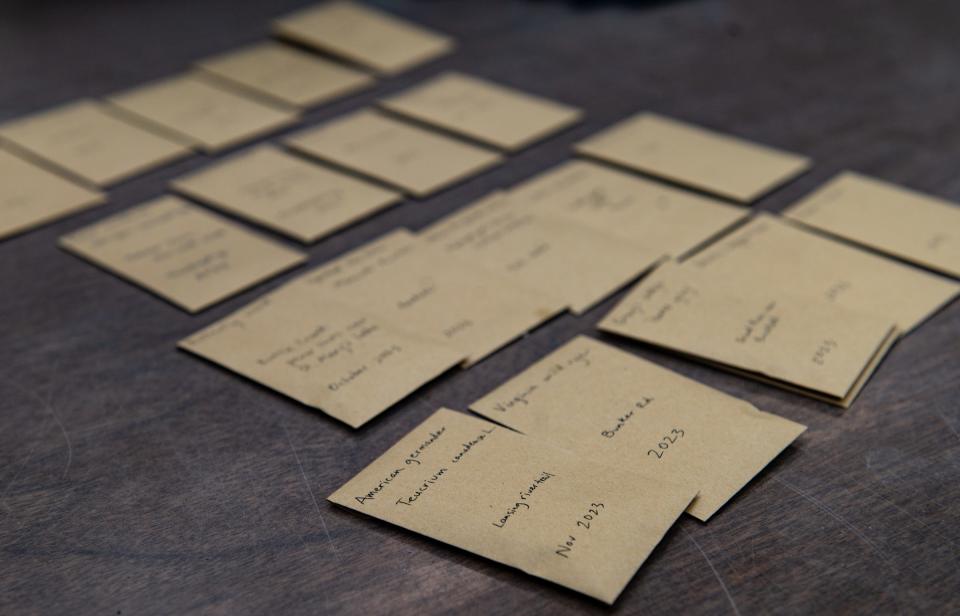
(771, 253)
(800, 340)
(518, 501)
(626, 412)
(88, 141)
(430, 315)
(443, 298)
(180, 252)
(484, 111)
(286, 193)
(350, 364)
(200, 113)
(363, 35)
(579, 265)
(416, 160)
(686, 154)
(904, 223)
(662, 219)
(285, 75)
(31, 196)
(868, 371)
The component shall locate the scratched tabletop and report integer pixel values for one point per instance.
(136, 479)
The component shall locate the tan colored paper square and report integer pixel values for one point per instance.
(664, 220)
(810, 344)
(772, 253)
(88, 141)
(484, 111)
(686, 154)
(602, 403)
(31, 196)
(180, 252)
(904, 223)
(348, 363)
(414, 159)
(552, 256)
(363, 35)
(202, 114)
(440, 297)
(286, 193)
(518, 501)
(428, 314)
(286, 75)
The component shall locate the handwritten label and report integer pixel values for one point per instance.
(623, 419)
(540, 251)
(526, 496)
(608, 405)
(668, 439)
(414, 456)
(820, 355)
(784, 258)
(565, 549)
(759, 330)
(325, 354)
(758, 327)
(181, 252)
(426, 485)
(508, 497)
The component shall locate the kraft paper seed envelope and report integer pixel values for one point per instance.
(686, 154)
(414, 159)
(286, 193)
(200, 113)
(363, 35)
(803, 343)
(430, 313)
(576, 264)
(31, 196)
(350, 364)
(180, 252)
(602, 403)
(286, 75)
(449, 300)
(518, 501)
(904, 223)
(666, 221)
(771, 253)
(87, 140)
(484, 111)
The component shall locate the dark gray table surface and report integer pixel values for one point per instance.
(136, 479)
